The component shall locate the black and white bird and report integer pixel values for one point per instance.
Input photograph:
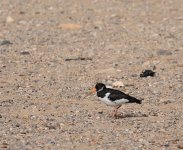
(113, 97)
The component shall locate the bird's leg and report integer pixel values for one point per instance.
(115, 111)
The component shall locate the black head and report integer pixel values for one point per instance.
(100, 86)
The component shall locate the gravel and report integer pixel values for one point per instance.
(53, 52)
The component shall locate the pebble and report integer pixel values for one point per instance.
(33, 117)
(115, 65)
(118, 84)
(9, 19)
(62, 124)
(5, 42)
(70, 26)
(180, 146)
(25, 53)
(4, 146)
(23, 22)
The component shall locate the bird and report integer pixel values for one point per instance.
(113, 97)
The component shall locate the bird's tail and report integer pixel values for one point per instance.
(138, 101)
(134, 100)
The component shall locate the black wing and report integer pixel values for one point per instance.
(115, 95)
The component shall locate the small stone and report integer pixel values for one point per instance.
(166, 144)
(25, 53)
(22, 12)
(33, 117)
(98, 117)
(17, 125)
(62, 124)
(70, 26)
(140, 140)
(4, 146)
(9, 19)
(115, 65)
(23, 132)
(23, 22)
(180, 146)
(100, 112)
(118, 84)
(77, 111)
(5, 42)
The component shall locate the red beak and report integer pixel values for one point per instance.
(93, 90)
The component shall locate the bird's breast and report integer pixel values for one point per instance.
(106, 100)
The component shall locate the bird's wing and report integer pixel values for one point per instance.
(116, 95)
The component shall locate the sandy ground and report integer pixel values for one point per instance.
(53, 51)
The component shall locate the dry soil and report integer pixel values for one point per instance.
(53, 51)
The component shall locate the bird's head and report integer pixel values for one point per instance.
(98, 87)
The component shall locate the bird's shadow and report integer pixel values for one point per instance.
(119, 116)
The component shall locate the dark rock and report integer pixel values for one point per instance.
(180, 146)
(22, 12)
(100, 112)
(147, 73)
(78, 58)
(17, 125)
(4, 145)
(25, 53)
(5, 42)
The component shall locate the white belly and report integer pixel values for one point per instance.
(112, 103)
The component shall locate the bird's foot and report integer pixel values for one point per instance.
(115, 115)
